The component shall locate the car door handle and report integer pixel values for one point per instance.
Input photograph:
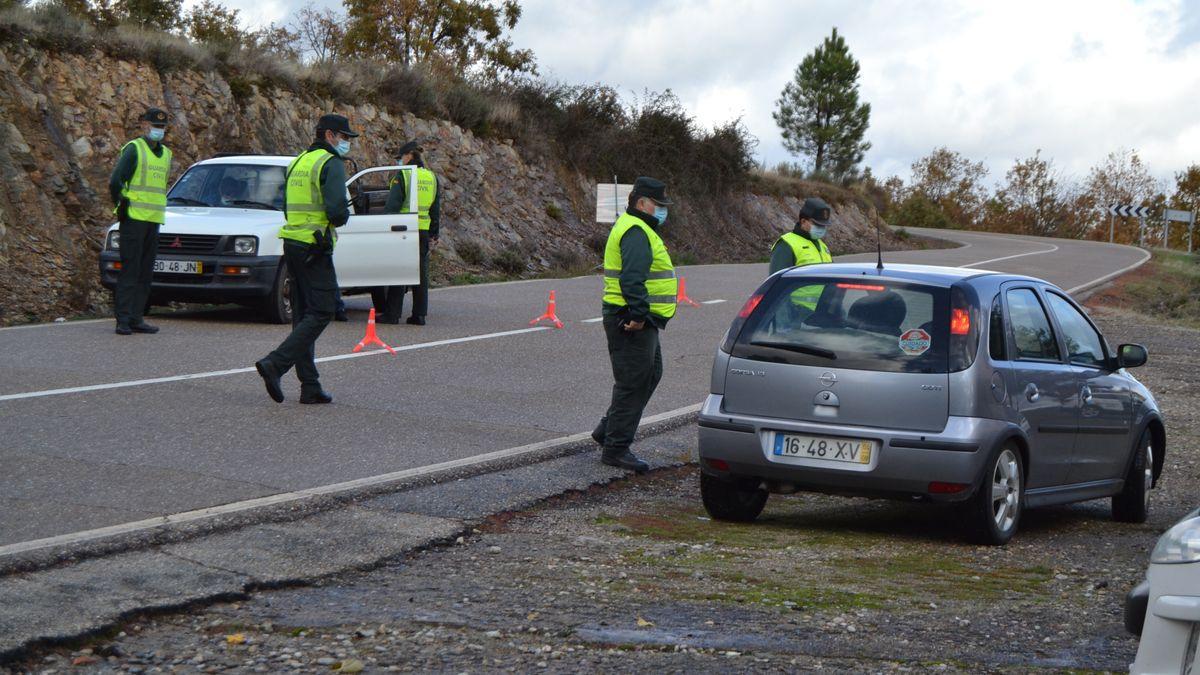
(399, 228)
(1032, 393)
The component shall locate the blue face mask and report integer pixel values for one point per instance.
(817, 231)
(343, 148)
(156, 134)
(660, 214)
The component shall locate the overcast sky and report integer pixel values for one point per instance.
(992, 80)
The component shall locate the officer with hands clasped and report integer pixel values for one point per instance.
(640, 291)
(314, 204)
(138, 186)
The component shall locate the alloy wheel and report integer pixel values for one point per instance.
(1006, 490)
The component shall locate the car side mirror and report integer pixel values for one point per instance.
(1131, 356)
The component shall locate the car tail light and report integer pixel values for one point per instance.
(718, 464)
(964, 331)
(960, 321)
(937, 487)
(743, 315)
(750, 306)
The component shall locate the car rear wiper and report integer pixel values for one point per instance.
(187, 200)
(811, 351)
(249, 202)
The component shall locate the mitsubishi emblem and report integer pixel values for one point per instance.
(828, 379)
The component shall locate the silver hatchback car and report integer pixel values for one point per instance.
(932, 383)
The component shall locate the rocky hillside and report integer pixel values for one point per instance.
(64, 117)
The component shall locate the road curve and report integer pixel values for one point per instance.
(100, 430)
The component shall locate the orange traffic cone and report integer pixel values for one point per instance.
(371, 338)
(682, 298)
(551, 313)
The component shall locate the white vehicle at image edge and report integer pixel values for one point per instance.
(220, 242)
(1165, 608)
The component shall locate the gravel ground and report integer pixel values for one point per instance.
(636, 577)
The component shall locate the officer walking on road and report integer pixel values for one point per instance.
(640, 290)
(138, 186)
(314, 204)
(804, 245)
(389, 300)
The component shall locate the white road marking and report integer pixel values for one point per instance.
(83, 322)
(1052, 249)
(1111, 275)
(711, 302)
(321, 490)
(595, 320)
(236, 371)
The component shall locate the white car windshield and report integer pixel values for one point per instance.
(233, 186)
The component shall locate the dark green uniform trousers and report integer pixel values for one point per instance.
(314, 297)
(139, 247)
(637, 368)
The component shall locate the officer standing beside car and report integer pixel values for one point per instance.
(389, 300)
(314, 205)
(138, 186)
(804, 245)
(640, 291)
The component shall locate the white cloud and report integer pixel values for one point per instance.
(995, 81)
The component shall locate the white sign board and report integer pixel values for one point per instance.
(1178, 216)
(611, 199)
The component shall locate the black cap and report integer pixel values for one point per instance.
(411, 146)
(816, 210)
(154, 116)
(653, 188)
(336, 123)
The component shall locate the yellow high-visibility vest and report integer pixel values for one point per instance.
(661, 284)
(426, 193)
(807, 252)
(305, 205)
(147, 189)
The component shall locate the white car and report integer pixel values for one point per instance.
(1165, 608)
(220, 242)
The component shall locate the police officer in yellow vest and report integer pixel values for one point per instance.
(138, 186)
(314, 205)
(639, 299)
(389, 301)
(804, 245)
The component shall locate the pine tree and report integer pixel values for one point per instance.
(819, 112)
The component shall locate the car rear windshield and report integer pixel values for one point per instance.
(879, 325)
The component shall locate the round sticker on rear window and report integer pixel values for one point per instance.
(915, 342)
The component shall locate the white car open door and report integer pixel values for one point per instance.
(377, 249)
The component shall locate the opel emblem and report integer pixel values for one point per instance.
(828, 379)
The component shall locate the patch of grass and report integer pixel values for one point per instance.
(471, 252)
(1168, 287)
(510, 261)
(554, 210)
(471, 278)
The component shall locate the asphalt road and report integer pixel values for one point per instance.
(98, 429)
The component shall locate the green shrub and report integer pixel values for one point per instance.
(467, 107)
(554, 210)
(917, 211)
(164, 51)
(407, 90)
(471, 252)
(510, 261)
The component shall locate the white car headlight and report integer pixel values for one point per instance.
(1180, 544)
(114, 241)
(245, 245)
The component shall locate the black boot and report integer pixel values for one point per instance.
(317, 397)
(599, 431)
(624, 459)
(270, 379)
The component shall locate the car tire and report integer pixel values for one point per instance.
(1132, 504)
(730, 500)
(277, 307)
(997, 504)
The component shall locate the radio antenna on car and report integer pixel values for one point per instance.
(879, 248)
